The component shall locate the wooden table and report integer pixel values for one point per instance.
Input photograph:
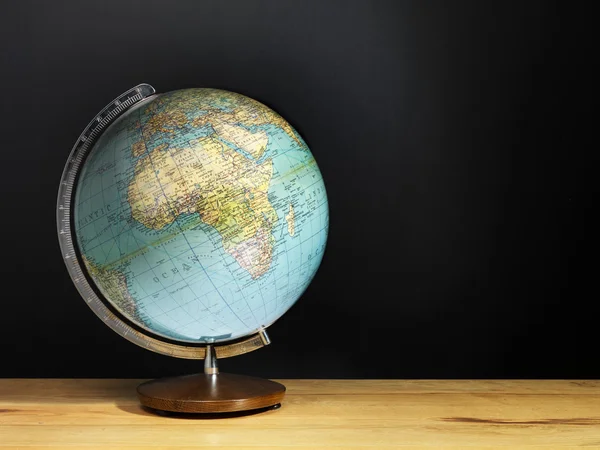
(324, 414)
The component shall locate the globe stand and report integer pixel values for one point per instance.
(211, 392)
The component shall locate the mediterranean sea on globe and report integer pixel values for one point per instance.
(201, 215)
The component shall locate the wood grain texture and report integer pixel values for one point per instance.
(318, 414)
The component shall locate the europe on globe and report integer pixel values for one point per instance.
(200, 215)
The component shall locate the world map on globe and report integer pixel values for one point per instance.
(201, 215)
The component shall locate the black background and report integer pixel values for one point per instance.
(452, 137)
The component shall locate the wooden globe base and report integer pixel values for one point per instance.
(202, 393)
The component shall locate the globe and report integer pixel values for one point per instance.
(199, 216)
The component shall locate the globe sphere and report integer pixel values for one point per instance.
(200, 215)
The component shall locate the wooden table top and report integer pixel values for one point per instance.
(326, 414)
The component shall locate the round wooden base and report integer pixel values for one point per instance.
(201, 393)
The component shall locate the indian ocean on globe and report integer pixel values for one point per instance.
(192, 218)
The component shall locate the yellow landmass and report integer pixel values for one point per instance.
(164, 122)
(290, 218)
(138, 148)
(113, 285)
(241, 110)
(255, 113)
(228, 191)
(253, 143)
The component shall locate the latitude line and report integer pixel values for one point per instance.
(175, 218)
(234, 278)
(167, 253)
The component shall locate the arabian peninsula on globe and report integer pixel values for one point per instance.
(201, 215)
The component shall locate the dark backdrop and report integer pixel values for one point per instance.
(452, 137)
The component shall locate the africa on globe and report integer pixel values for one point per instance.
(200, 215)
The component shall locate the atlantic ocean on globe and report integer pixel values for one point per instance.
(200, 215)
